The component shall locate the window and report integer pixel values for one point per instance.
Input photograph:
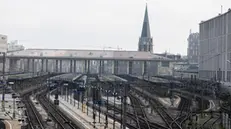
(165, 63)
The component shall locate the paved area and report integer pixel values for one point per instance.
(81, 116)
(12, 124)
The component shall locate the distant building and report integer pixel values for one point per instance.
(145, 41)
(170, 56)
(193, 48)
(185, 70)
(215, 48)
(14, 46)
(3, 43)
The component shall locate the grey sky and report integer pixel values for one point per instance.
(93, 24)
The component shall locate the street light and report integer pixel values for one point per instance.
(106, 123)
(114, 95)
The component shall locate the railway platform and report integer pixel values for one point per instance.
(81, 116)
(7, 115)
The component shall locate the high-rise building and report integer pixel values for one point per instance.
(193, 48)
(215, 48)
(145, 41)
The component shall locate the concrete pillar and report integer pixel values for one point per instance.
(144, 68)
(21, 65)
(42, 65)
(74, 66)
(71, 66)
(101, 67)
(33, 69)
(28, 65)
(116, 63)
(46, 65)
(129, 67)
(88, 66)
(56, 66)
(60, 66)
(12, 65)
(85, 66)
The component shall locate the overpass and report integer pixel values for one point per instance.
(85, 61)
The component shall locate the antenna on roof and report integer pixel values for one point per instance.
(221, 9)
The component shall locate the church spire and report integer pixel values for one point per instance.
(146, 27)
(145, 41)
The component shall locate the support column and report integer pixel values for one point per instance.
(144, 72)
(56, 66)
(60, 66)
(100, 67)
(115, 67)
(129, 67)
(46, 65)
(33, 69)
(28, 65)
(71, 66)
(74, 66)
(88, 66)
(42, 65)
(12, 65)
(85, 66)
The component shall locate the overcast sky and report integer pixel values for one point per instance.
(94, 24)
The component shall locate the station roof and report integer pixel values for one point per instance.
(24, 76)
(87, 54)
(70, 77)
(111, 78)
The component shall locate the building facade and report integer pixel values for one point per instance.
(14, 46)
(193, 48)
(145, 41)
(215, 48)
(170, 56)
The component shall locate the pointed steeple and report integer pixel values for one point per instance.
(145, 41)
(146, 27)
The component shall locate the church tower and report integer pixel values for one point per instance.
(145, 41)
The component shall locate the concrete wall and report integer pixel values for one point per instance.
(215, 48)
(164, 70)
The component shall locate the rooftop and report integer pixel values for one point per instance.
(87, 54)
(219, 15)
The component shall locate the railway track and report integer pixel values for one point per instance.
(139, 112)
(214, 122)
(33, 116)
(184, 108)
(63, 121)
(169, 120)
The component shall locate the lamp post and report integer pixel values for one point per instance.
(114, 95)
(106, 123)
(87, 99)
